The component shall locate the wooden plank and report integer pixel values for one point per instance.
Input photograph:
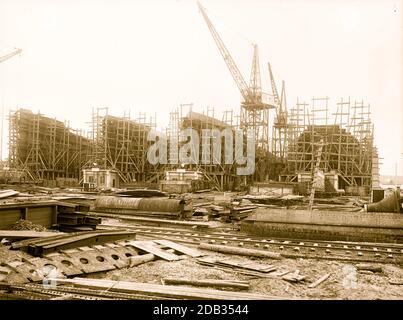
(149, 247)
(248, 265)
(319, 281)
(163, 291)
(140, 259)
(242, 285)
(25, 234)
(180, 248)
(209, 261)
(369, 267)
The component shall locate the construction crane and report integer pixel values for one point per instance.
(252, 94)
(10, 55)
(280, 120)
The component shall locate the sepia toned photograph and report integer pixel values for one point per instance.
(222, 150)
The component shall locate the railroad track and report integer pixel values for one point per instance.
(38, 292)
(289, 248)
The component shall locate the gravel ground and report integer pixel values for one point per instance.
(345, 282)
(363, 285)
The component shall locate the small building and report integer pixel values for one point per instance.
(183, 181)
(97, 178)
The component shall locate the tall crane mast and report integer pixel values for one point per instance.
(233, 68)
(10, 55)
(279, 141)
(251, 94)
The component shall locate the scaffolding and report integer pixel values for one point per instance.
(120, 143)
(221, 175)
(348, 141)
(44, 148)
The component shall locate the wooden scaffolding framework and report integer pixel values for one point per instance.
(348, 141)
(44, 148)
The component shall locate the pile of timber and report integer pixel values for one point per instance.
(234, 211)
(250, 268)
(75, 217)
(240, 212)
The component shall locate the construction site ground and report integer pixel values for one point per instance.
(368, 285)
(360, 284)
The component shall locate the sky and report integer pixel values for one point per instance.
(151, 56)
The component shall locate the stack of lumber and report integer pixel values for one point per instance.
(226, 212)
(249, 268)
(75, 217)
(240, 212)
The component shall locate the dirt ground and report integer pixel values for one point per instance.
(345, 282)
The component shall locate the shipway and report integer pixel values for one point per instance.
(170, 310)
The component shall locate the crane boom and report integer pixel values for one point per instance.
(273, 87)
(10, 55)
(236, 74)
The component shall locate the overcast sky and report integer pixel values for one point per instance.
(151, 56)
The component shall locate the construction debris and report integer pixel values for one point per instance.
(369, 267)
(82, 258)
(319, 281)
(27, 225)
(140, 259)
(396, 282)
(293, 277)
(248, 268)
